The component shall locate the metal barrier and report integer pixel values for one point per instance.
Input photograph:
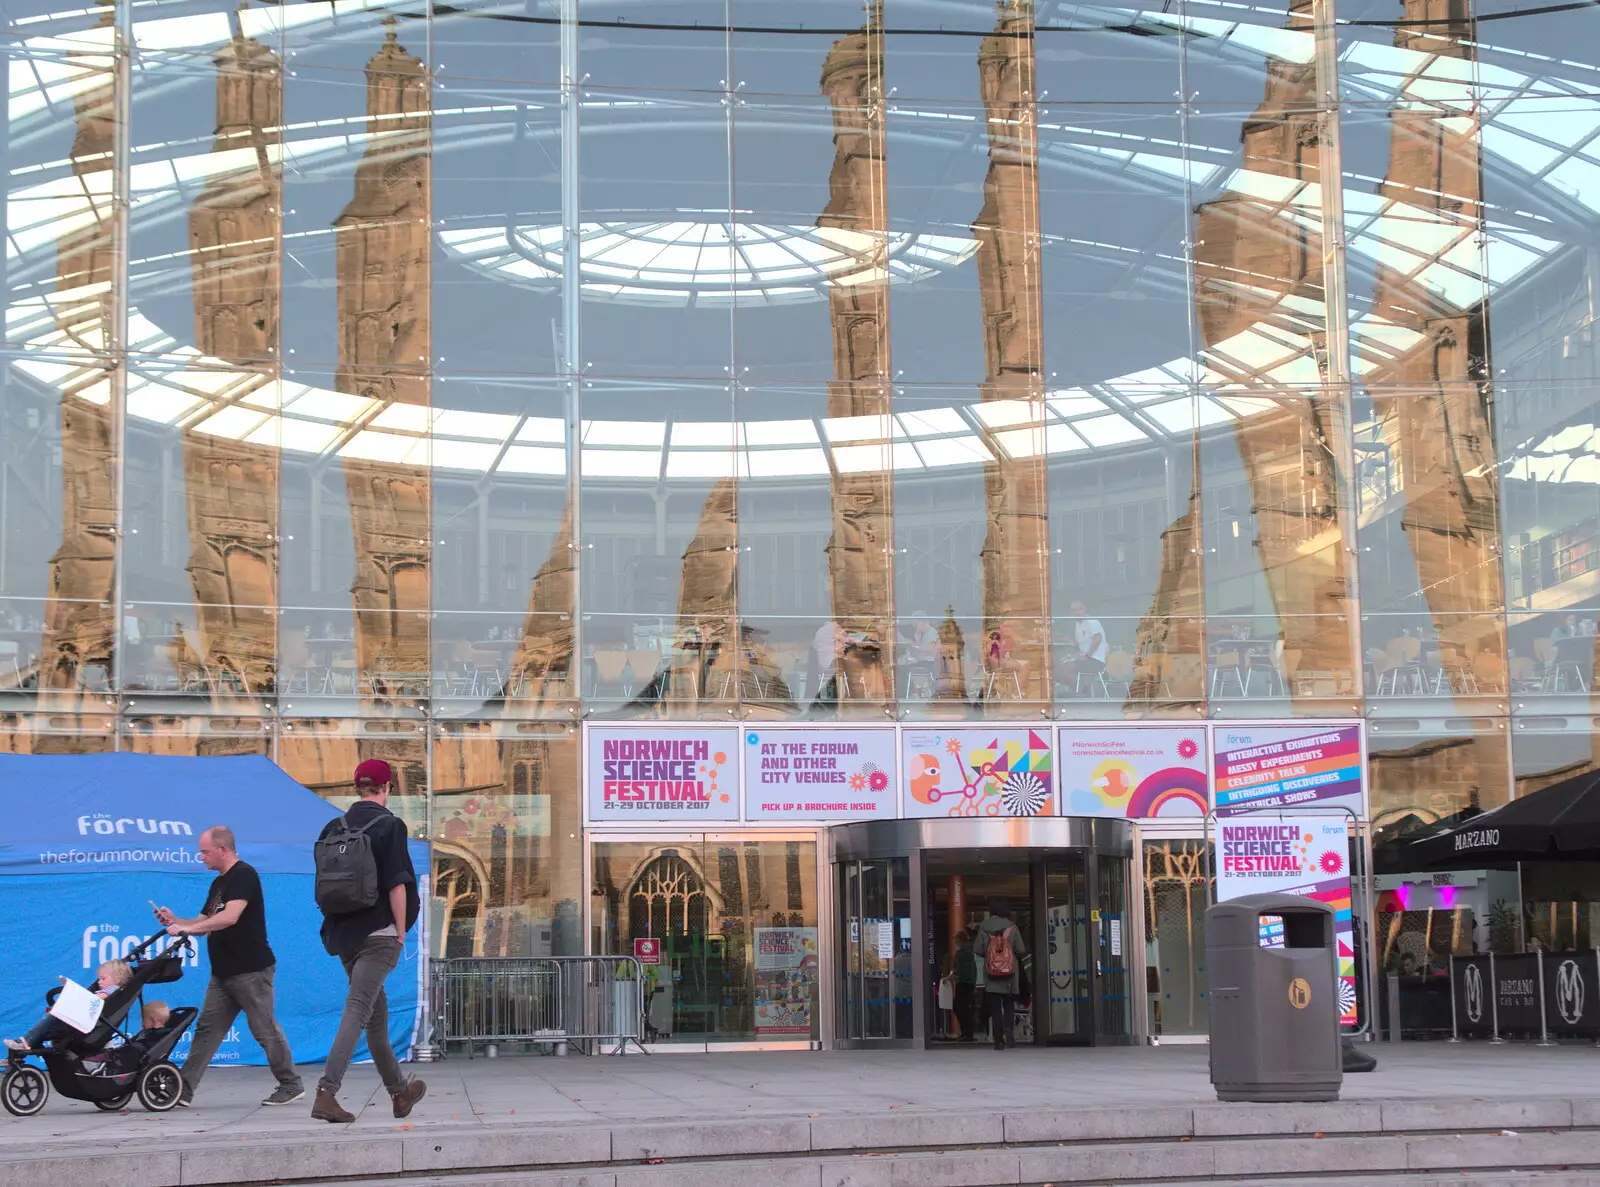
(591, 1003)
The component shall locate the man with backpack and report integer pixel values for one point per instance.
(367, 891)
(1000, 950)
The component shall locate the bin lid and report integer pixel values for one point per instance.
(1270, 904)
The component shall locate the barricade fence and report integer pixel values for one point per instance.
(589, 1003)
(1554, 995)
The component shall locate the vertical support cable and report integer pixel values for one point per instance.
(571, 361)
(1336, 370)
(116, 332)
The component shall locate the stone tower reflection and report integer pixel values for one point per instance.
(860, 551)
(78, 642)
(384, 255)
(1015, 557)
(231, 487)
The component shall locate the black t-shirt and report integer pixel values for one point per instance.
(241, 948)
(343, 934)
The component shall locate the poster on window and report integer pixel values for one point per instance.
(978, 772)
(823, 774)
(786, 981)
(644, 773)
(1264, 853)
(1132, 773)
(1288, 767)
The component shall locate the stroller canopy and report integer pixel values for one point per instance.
(140, 812)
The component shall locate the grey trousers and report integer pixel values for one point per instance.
(366, 1008)
(225, 998)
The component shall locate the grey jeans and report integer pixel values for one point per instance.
(366, 1008)
(225, 998)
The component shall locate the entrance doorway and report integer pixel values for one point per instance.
(908, 890)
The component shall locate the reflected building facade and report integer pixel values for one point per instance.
(983, 331)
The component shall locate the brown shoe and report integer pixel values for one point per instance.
(327, 1108)
(405, 1100)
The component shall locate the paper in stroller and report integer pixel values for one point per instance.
(77, 1007)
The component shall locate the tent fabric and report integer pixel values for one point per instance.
(1557, 823)
(95, 839)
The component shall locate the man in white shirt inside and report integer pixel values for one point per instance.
(1090, 637)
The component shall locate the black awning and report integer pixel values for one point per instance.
(1559, 823)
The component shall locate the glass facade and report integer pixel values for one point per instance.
(382, 380)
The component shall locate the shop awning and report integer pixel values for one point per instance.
(1559, 823)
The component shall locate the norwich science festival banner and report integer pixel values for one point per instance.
(978, 772)
(1265, 853)
(1288, 767)
(799, 775)
(639, 773)
(1133, 773)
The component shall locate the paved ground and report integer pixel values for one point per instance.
(639, 1090)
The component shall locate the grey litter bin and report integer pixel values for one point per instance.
(1274, 1011)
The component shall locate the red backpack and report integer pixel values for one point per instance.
(999, 960)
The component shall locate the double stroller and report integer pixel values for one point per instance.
(88, 1066)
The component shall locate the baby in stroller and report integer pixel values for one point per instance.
(107, 1067)
(112, 975)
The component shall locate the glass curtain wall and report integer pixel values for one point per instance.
(401, 381)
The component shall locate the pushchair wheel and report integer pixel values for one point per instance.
(23, 1090)
(114, 1104)
(159, 1087)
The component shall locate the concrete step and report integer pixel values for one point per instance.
(1562, 1157)
(1358, 1141)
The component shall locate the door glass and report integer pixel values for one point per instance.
(1176, 890)
(737, 921)
(1067, 921)
(875, 942)
(1114, 1015)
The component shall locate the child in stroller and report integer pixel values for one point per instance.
(141, 1066)
(109, 977)
(152, 1026)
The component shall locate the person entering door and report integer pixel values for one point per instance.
(1000, 949)
(965, 973)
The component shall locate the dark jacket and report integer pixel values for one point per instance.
(343, 934)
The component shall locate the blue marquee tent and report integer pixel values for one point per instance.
(91, 840)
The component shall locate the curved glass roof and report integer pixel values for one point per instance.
(715, 256)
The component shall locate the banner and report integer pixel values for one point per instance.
(1572, 994)
(786, 981)
(645, 773)
(978, 772)
(1133, 773)
(1288, 767)
(1469, 986)
(1307, 856)
(819, 774)
(1516, 989)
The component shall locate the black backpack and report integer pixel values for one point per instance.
(347, 872)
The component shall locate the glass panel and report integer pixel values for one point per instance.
(61, 129)
(660, 524)
(1177, 882)
(505, 822)
(322, 754)
(486, 40)
(1114, 984)
(875, 972)
(1067, 929)
(502, 592)
(59, 733)
(207, 737)
(738, 953)
(662, 250)
(1125, 571)
(675, 44)
(201, 550)
(1426, 772)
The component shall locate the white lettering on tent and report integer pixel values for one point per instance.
(106, 826)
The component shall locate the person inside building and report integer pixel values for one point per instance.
(1000, 949)
(964, 973)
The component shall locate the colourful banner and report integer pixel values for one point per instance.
(641, 773)
(786, 981)
(978, 772)
(819, 774)
(1264, 853)
(1288, 767)
(1133, 773)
